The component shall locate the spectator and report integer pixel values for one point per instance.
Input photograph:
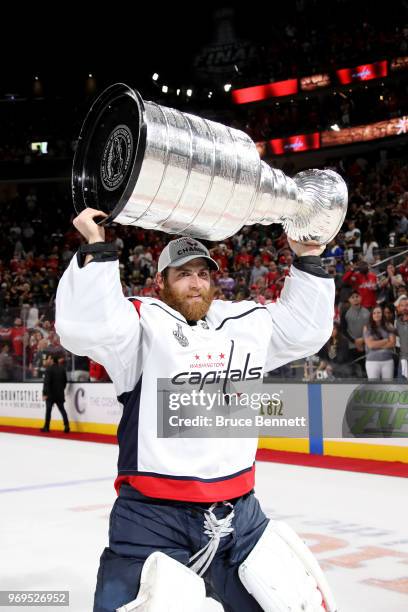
(380, 226)
(97, 372)
(219, 254)
(336, 353)
(389, 317)
(226, 284)
(401, 228)
(66, 255)
(369, 248)
(403, 270)
(243, 259)
(6, 364)
(402, 331)
(367, 285)
(353, 239)
(389, 314)
(401, 290)
(389, 285)
(367, 210)
(39, 356)
(32, 315)
(149, 289)
(353, 321)
(18, 333)
(257, 271)
(380, 341)
(45, 327)
(334, 249)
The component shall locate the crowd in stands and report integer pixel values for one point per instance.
(371, 313)
(299, 115)
(305, 39)
(320, 36)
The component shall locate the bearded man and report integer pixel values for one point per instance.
(190, 498)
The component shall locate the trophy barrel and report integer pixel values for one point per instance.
(158, 168)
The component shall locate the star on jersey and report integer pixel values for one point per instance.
(209, 356)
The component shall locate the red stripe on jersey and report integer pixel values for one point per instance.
(190, 490)
(137, 304)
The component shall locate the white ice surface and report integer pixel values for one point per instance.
(56, 495)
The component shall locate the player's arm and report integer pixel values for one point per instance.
(302, 318)
(93, 317)
(375, 343)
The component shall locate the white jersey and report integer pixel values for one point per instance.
(142, 340)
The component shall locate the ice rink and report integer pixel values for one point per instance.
(56, 495)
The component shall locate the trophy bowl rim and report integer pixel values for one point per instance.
(89, 125)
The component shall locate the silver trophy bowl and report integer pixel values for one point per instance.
(158, 168)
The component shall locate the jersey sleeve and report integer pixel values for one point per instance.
(93, 318)
(302, 318)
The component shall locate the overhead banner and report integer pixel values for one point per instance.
(365, 72)
(331, 138)
(262, 92)
(363, 133)
(295, 144)
(316, 81)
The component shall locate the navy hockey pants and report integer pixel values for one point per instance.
(140, 526)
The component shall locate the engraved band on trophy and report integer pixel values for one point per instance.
(158, 168)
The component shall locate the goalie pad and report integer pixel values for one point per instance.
(166, 584)
(282, 574)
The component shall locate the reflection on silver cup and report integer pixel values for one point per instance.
(158, 168)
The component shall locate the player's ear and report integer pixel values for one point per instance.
(159, 280)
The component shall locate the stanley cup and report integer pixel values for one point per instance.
(158, 168)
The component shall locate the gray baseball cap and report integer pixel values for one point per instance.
(178, 252)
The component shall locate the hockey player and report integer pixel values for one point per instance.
(191, 499)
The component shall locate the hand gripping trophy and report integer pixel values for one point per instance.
(186, 521)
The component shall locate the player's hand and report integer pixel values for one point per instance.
(304, 248)
(86, 225)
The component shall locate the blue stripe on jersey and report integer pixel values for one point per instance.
(128, 430)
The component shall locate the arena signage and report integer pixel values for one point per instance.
(262, 92)
(315, 81)
(365, 72)
(295, 144)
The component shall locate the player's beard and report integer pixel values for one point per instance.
(192, 311)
